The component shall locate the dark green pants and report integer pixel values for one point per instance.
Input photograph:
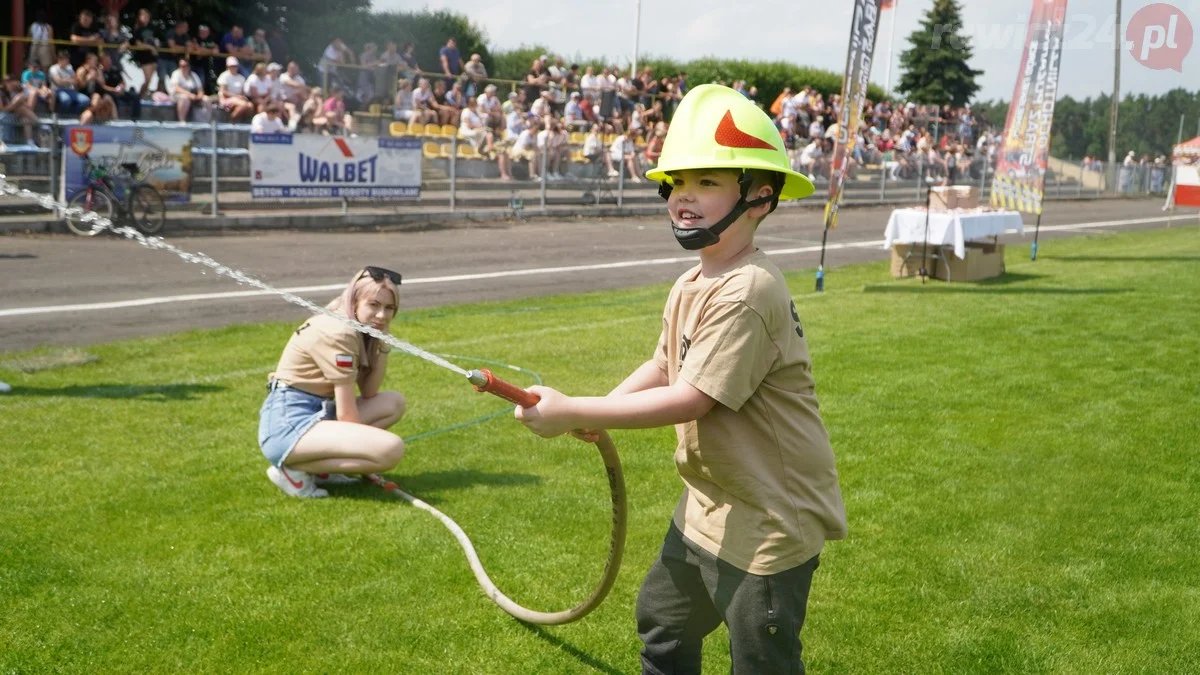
(688, 592)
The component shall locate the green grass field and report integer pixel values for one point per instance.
(1018, 458)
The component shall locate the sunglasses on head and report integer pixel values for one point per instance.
(379, 273)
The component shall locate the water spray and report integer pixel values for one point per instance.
(482, 379)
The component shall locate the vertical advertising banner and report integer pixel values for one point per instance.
(1021, 166)
(863, 29)
(311, 166)
(163, 158)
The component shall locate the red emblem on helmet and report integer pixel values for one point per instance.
(730, 136)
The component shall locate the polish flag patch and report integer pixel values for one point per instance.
(344, 361)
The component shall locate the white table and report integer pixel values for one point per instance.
(949, 228)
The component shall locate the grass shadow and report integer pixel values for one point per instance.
(424, 485)
(17, 256)
(567, 648)
(1124, 258)
(140, 392)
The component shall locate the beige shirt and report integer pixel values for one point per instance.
(761, 488)
(322, 353)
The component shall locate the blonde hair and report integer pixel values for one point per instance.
(347, 303)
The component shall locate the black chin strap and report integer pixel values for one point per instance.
(696, 238)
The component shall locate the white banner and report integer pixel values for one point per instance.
(311, 166)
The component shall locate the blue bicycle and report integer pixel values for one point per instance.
(143, 206)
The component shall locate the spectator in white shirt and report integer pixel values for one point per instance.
(525, 148)
(257, 87)
(622, 150)
(490, 108)
(268, 121)
(811, 157)
(542, 105)
(424, 103)
(590, 84)
(231, 92)
(472, 129)
(292, 87)
(187, 90)
(593, 149)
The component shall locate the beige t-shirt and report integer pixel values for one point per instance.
(322, 352)
(762, 491)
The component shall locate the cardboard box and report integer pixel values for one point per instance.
(953, 197)
(984, 260)
(906, 265)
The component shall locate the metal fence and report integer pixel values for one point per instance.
(457, 177)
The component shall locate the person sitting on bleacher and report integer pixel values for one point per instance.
(62, 77)
(552, 142)
(90, 82)
(33, 79)
(423, 103)
(312, 113)
(573, 113)
(473, 130)
(16, 109)
(402, 105)
(258, 87)
(114, 85)
(447, 111)
(622, 150)
(231, 92)
(187, 90)
(337, 120)
(268, 121)
(593, 149)
(525, 148)
(489, 108)
(543, 104)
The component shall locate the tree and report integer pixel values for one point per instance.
(935, 66)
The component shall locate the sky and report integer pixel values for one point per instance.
(810, 33)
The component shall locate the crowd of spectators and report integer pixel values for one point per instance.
(556, 112)
(190, 68)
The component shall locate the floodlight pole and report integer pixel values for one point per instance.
(637, 34)
(1116, 98)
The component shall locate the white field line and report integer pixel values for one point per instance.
(230, 295)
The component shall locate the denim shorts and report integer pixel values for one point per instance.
(286, 415)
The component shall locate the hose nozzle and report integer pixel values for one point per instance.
(484, 381)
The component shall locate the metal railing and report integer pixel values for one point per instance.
(457, 177)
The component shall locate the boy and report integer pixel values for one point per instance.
(732, 373)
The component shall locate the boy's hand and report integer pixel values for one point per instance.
(550, 417)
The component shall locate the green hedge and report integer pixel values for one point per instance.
(769, 76)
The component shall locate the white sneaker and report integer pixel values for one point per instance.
(334, 479)
(295, 483)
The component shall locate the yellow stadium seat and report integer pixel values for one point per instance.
(432, 131)
(375, 109)
(609, 139)
(577, 138)
(468, 151)
(431, 150)
(449, 130)
(398, 129)
(578, 157)
(445, 151)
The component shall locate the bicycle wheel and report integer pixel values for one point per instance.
(147, 209)
(91, 201)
